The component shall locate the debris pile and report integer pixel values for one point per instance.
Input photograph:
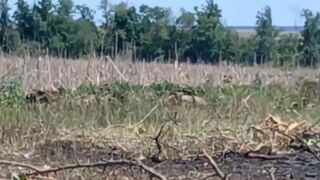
(281, 135)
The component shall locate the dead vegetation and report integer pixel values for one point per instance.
(92, 128)
(281, 136)
(272, 141)
(37, 74)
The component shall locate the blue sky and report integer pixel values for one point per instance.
(235, 12)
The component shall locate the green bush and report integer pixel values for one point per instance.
(11, 92)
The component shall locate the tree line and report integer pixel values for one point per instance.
(149, 33)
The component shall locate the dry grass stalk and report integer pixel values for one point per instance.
(34, 72)
(116, 68)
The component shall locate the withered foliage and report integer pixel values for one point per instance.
(280, 135)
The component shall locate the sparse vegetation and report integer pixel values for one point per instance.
(160, 118)
(81, 101)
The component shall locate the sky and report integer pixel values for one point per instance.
(234, 12)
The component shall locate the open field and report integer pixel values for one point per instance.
(142, 121)
(45, 72)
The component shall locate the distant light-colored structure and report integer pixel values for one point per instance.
(248, 31)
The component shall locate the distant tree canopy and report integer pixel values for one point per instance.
(68, 30)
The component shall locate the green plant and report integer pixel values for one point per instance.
(11, 92)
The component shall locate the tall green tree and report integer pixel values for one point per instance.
(85, 12)
(125, 23)
(8, 37)
(67, 29)
(44, 8)
(4, 24)
(106, 13)
(286, 53)
(42, 12)
(185, 24)
(83, 33)
(310, 45)
(105, 33)
(244, 50)
(206, 36)
(265, 36)
(155, 30)
(59, 28)
(24, 20)
(65, 8)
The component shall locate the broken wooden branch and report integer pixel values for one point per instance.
(272, 172)
(308, 148)
(254, 155)
(38, 171)
(214, 165)
(150, 170)
(17, 164)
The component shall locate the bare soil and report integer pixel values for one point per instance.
(296, 165)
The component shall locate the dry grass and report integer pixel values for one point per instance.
(72, 73)
(141, 126)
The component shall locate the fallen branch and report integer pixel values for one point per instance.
(253, 155)
(303, 143)
(156, 158)
(272, 171)
(82, 165)
(214, 165)
(157, 140)
(308, 148)
(38, 171)
(11, 163)
(150, 170)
